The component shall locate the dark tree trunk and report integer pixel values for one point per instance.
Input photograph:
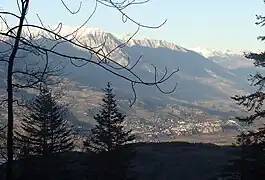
(10, 124)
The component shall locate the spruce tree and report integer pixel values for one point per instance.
(108, 139)
(45, 133)
(45, 129)
(109, 133)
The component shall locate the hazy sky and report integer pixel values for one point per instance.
(215, 24)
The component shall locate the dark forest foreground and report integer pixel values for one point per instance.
(156, 161)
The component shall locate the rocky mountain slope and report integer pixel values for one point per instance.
(228, 59)
(234, 61)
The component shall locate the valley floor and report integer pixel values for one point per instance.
(222, 138)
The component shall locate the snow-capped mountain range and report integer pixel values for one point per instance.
(94, 36)
(211, 74)
(97, 38)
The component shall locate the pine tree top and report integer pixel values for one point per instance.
(109, 133)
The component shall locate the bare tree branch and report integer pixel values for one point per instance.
(72, 12)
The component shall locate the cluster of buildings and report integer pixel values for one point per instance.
(162, 127)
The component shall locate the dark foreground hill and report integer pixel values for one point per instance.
(180, 160)
(156, 161)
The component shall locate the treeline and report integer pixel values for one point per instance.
(45, 137)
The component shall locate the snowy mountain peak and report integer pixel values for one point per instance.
(153, 43)
(65, 30)
(207, 52)
(228, 59)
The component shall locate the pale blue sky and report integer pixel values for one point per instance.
(216, 24)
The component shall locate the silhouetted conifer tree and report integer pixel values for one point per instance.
(107, 140)
(45, 132)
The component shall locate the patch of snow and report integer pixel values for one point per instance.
(211, 73)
